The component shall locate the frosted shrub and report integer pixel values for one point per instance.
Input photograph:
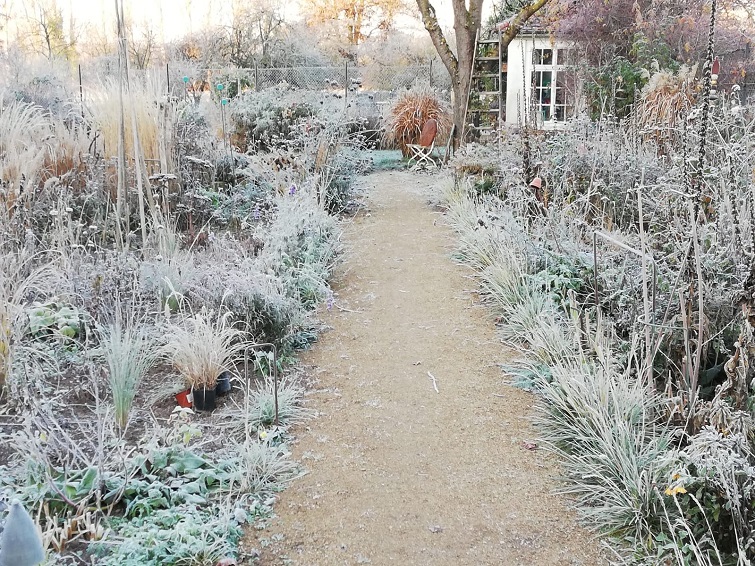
(267, 119)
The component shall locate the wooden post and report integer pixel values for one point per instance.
(81, 93)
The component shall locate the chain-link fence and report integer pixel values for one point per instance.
(367, 86)
(362, 94)
(348, 75)
(365, 89)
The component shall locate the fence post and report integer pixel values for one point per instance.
(256, 77)
(743, 95)
(346, 88)
(167, 76)
(81, 93)
(745, 90)
(431, 73)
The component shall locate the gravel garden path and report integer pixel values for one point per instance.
(400, 472)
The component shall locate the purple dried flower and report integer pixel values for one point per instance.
(331, 301)
(256, 212)
(292, 190)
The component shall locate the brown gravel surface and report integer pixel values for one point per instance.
(399, 473)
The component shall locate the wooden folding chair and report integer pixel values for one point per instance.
(421, 153)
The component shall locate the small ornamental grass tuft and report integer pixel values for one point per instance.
(130, 352)
(264, 466)
(290, 410)
(202, 346)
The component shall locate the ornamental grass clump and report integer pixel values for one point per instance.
(143, 103)
(264, 467)
(18, 277)
(408, 115)
(615, 453)
(22, 127)
(290, 410)
(130, 352)
(665, 101)
(202, 346)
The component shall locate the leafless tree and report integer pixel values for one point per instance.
(467, 23)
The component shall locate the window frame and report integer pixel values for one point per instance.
(545, 95)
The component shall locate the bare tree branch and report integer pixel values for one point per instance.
(519, 20)
(436, 35)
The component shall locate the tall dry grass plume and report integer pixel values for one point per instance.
(410, 112)
(34, 147)
(665, 103)
(145, 99)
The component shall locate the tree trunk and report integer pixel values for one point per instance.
(467, 23)
(467, 26)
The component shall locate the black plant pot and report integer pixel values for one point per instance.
(204, 399)
(224, 383)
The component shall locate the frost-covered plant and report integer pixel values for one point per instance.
(264, 466)
(272, 291)
(338, 167)
(267, 119)
(143, 101)
(227, 278)
(203, 345)
(301, 248)
(604, 427)
(171, 271)
(190, 505)
(54, 317)
(23, 127)
(193, 135)
(290, 409)
(183, 534)
(714, 485)
(243, 206)
(18, 276)
(130, 352)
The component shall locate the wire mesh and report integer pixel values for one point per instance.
(372, 77)
(371, 87)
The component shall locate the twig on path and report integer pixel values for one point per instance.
(435, 384)
(344, 309)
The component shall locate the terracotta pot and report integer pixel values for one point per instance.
(184, 399)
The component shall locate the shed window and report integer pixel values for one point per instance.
(553, 84)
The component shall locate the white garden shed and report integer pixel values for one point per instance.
(541, 81)
(533, 82)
